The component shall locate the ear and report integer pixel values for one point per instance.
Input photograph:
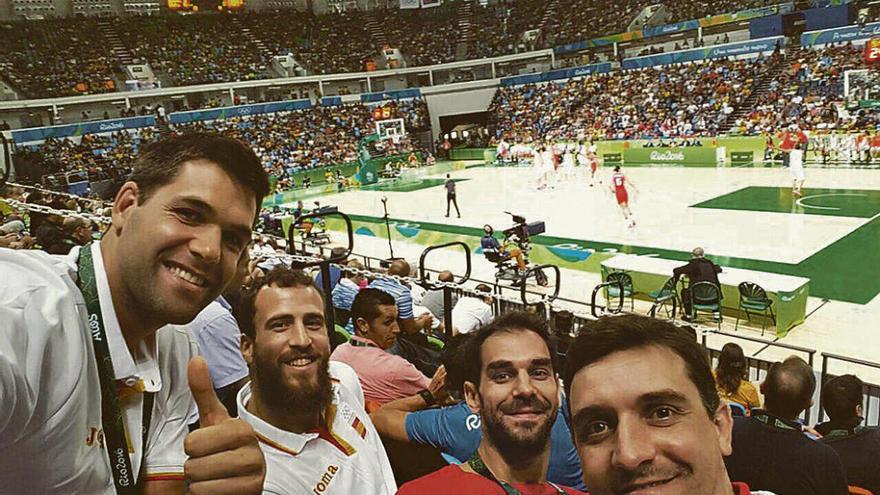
(724, 424)
(126, 199)
(361, 327)
(472, 397)
(247, 349)
(859, 410)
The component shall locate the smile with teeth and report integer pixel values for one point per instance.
(187, 276)
(300, 362)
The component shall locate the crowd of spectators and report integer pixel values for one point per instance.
(659, 102)
(196, 49)
(57, 57)
(808, 90)
(425, 36)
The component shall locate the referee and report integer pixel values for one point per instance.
(450, 196)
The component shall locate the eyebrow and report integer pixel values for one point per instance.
(504, 364)
(288, 316)
(664, 396)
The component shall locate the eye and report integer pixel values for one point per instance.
(187, 215)
(541, 373)
(663, 414)
(593, 431)
(501, 377)
(278, 325)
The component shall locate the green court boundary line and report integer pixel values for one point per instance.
(832, 271)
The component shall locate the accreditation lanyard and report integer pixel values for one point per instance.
(476, 463)
(112, 418)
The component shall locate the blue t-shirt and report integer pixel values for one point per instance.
(455, 430)
(335, 275)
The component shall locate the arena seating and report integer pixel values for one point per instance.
(56, 57)
(426, 37)
(671, 101)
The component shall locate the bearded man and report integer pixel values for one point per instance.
(308, 412)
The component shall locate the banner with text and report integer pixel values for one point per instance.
(841, 35)
(238, 111)
(61, 131)
(717, 51)
(557, 74)
(400, 94)
(409, 4)
(700, 156)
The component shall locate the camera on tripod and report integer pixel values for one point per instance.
(522, 231)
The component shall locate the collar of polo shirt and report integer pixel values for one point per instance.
(141, 370)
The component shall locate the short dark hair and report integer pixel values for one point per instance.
(279, 276)
(512, 321)
(841, 396)
(366, 304)
(788, 388)
(621, 333)
(159, 163)
(454, 359)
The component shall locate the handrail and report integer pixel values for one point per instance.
(602, 286)
(827, 356)
(467, 257)
(533, 272)
(291, 235)
(7, 155)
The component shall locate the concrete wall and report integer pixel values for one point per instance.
(457, 102)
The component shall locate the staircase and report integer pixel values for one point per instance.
(761, 89)
(252, 38)
(376, 32)
(549, 12)
(466, 22)
(120, 51)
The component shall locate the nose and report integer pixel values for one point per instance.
(634, 445)
(524, 386)
(298, 336)
(206, 244)
(395, 328)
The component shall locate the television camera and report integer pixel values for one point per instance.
(519, 235)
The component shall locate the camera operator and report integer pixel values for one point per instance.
(506, 251)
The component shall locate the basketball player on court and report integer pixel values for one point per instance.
(797, 142)
(618, 186)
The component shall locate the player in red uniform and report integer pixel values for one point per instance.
(618, 186)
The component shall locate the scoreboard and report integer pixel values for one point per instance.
(872, 51)
(204, 5)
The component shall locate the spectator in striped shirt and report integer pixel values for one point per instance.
(409, 324)
(344, 294)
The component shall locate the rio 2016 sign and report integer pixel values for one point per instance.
(872, 50)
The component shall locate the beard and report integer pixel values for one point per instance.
(306, 397)
(519, 444)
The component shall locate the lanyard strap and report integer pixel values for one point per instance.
(779, 423)
(112, 417)
(476, 463)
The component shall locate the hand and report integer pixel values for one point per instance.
(7, 240)
(425, 320)
(437, 387)
(224, 456)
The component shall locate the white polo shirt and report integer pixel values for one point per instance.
(470, 313)
(51, 434)
(347, 458)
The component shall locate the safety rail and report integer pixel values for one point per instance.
(447, 291)
(7, 160)
(594, 307)
(870, 391)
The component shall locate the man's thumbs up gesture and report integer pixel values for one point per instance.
(224, 456)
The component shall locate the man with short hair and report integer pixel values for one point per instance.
(335, 272)
(450, 195)
(344, 293)
(858, 446)
(433, 299)
(93, 354)
(383, 376)
(308, 411)
(698, 269)
(473, 312)
(402, 295)
(511, 384)
(773, 436)
(645, 414)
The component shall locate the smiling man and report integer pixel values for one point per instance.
(94, 379)
(308, 411)
(512, 386)
(646, 417)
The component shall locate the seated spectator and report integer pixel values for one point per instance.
(307, 411)
(345, 292)
(455, 430)
(335, 272)
(383, 376)
(771, 450)
(730, 376)
(511, 384)
(698, 269)
(433, 299)
(646, 416)
(473, 312)
(858, 446)
(50, 235)
(409, 324)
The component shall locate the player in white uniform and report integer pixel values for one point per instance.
(568, 162)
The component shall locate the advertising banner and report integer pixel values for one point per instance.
(409, 4)
(238, 111)
(700, 156)
(391, 95)
(718, 51)
(426, 4)
(558, 74)
(81, 129)
(844, 34)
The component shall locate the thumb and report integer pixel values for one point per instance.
(211, 410)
